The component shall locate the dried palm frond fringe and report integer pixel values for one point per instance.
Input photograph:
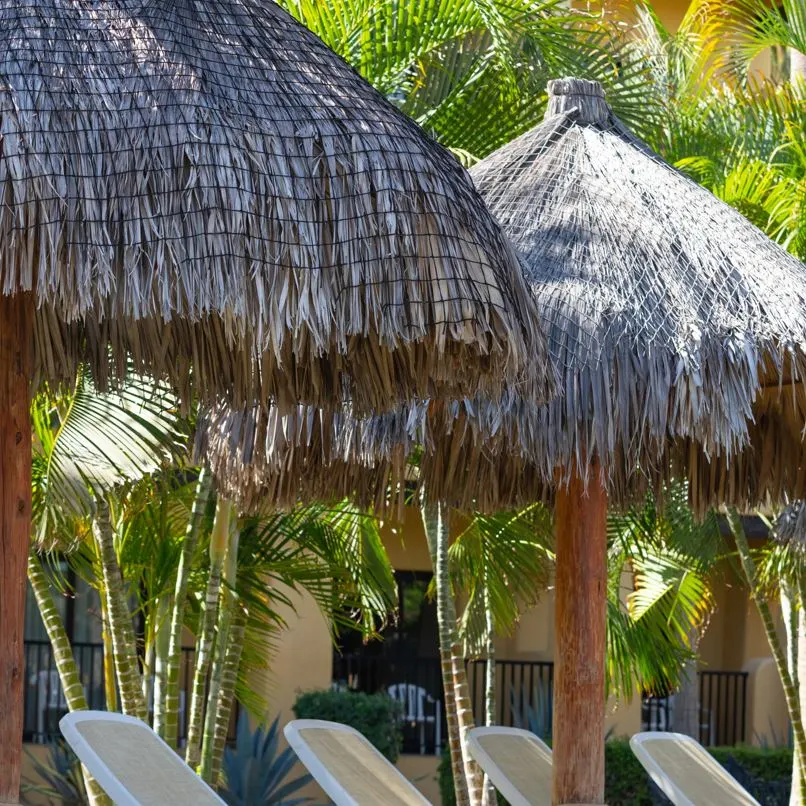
(264, 460)
(790, 527)
(208, 184)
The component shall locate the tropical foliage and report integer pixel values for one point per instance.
(115, 493)
(257, 772)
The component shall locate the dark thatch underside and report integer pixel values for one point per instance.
(676, 325)
(264, 460)
(790, 527)
(208, 184)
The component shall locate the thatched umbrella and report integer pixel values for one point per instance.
(678, 329)
(206, 185)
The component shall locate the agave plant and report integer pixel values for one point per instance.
(533, 714)
(257, 773)
(58, 777)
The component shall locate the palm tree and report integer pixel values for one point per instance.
(500, 564)
(76, 452)
(654, 632)
(739, 31)
(467, 776)
(474, 72)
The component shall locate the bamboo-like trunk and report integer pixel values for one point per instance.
(204, 642)
(229, 680)
(17, 319)
(468, 780)
(687, 699)
(171, 728)
(801, 667)
(110, 685)
(791, 694)
(226, 611)
(162, 640)
(490, 795)
(147, 676)
(120, 623)
(65, 661)
(789, 613)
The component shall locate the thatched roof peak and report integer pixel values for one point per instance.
(585, 98)
(207, 183)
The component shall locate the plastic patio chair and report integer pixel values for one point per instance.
(686, 773)
(132, 764)
(347, 767)
(516, 761)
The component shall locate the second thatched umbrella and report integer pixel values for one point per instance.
(678, 329)
(207, 192)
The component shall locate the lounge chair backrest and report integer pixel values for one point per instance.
(347, 767)
(516, 761)
(686, 772)
(132, 764)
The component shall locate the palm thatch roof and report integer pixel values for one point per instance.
(677, 326)
(208, 183)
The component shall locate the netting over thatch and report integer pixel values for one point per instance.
(666, 313)
(677, 326)
(207, 182)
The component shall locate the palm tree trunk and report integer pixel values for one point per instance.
(204, 643)
(789, 613)
(171, 727)
(490, 796)
(161, 642)
(467, 777)
(791, 694)
(120, 624)
(229, 680)
(686, 717)
(226, 610)
(110, 685)
(64, 659)
(147, 676)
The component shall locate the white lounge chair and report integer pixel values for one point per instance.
(686, 772)
(347, 767)
(132, 764)
(516, 761)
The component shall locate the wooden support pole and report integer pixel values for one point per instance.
(16, 348)
(580, 634)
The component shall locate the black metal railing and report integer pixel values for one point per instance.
(523, 693)
(723, 709)
(44, 697)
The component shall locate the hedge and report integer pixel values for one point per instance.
(626, 783)
(377, 716)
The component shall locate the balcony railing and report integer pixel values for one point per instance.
(723, 709)
(44, 697)
(523, 688)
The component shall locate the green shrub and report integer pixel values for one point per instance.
(447, 794)
(377, 716)
(626, 783)
(766, 764)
